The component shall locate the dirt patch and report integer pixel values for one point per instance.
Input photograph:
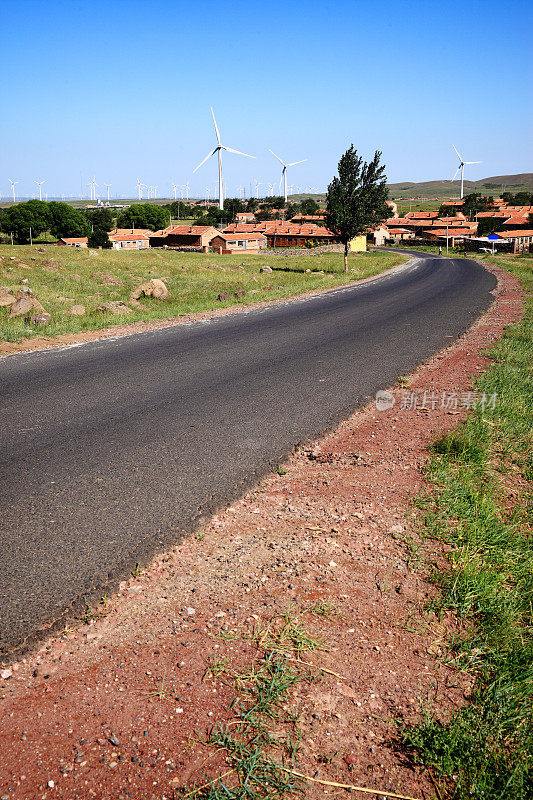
(125, 329)
(119, 706)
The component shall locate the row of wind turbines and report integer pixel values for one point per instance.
(184, 188)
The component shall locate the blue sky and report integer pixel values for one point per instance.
(123, 89)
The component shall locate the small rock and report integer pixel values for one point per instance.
(190, 611)
(50, 784)
(350, 759)
(77, 310)
(5, 674)
(265, 269)
(223, 296)
(396, 529)
(106, 279)
(114, 307)
(114, 741)
(24, 280)
(39, 319)
(239, 293)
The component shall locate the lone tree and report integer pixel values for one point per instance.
(356, 198)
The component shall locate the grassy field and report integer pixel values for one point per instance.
(194, 279)
(481, 505)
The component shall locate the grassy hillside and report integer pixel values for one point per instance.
(61, 277)
(435, 189)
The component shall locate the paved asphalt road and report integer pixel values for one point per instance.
(112, 450)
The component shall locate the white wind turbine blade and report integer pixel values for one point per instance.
(297, 162)
(473, 162)
(280, 181)
(457, 151)
(212, 153)
(231, 150)
(216, 126)
(456, 171)
(275, 156)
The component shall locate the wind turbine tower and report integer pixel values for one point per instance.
(108, 186)
(13, 184)
(139, 186)
(461, 168)
(218, 150)
(39, 184)
(284, 172)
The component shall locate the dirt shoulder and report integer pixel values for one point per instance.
(119, 706)
(126, 329)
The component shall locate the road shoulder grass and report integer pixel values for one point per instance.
(481, 505)
(63, 277)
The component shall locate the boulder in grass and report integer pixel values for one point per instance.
(223, 296)
(153, 288)
(7, 298)
(265, 269)
(76, 310)
(21, 307)
(114, 307)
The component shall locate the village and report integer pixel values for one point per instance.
(417, 228)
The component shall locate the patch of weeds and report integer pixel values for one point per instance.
(322, 608)
(137, 571)
(485, 750)
(263, 740)
(162, 692)
(279, 470)
(404, 381)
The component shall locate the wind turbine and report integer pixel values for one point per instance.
(13, 184)
(39, 184)
(175, 190)
(140, 188)
(257, 185)
(186, 187)
(461, 168)
(218, 149)
(284, 172)
(108, 185)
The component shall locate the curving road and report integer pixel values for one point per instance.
(112, 450)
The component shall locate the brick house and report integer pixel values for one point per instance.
(194, 236)
(249, 243)
(129, 241)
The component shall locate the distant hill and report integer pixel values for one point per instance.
(523, 181)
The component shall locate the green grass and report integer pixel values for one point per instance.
(194, 279)
(482, 506)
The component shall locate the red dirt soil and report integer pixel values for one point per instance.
(333, 528)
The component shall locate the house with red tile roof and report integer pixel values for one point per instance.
(129, 241)
(196, 237)
(73, 241)
(249, 243)
(522, 240)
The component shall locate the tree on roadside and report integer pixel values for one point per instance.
(355, 199)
